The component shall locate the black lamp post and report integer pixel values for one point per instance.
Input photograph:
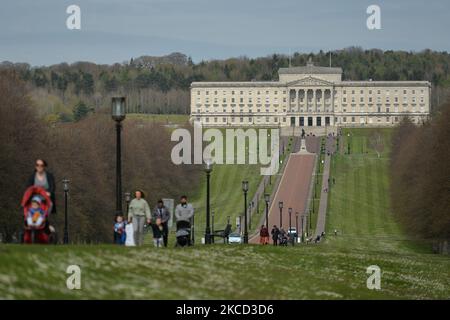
(118, 110)
(348, 143)
(208, 169)
(290, 214)
(193, 230)
(296, 225)
(212, 225)
(249, 208)
(303, 233)
(66, 221)
(267, 200)
(245, 189)
(280, 205)
(127, 200)
(310, 224)
(290, 224)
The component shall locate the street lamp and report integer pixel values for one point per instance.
(66, 191)
(208, 169)
(128, 200)
(249, 216)
(290, 221)
(296, 225)
(280, 205)
(212, 225)
(303, 232)
(348, 143)
(267, 200)
(309, 219)
(118, 110)
(245, 189)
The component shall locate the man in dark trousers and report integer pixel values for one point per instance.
(162, 213)
(275, 233)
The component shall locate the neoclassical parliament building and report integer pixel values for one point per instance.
(309, 96)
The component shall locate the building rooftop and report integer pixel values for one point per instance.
(310, 68)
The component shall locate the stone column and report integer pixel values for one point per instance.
(314, 101)
(332, 100)
(323, 100)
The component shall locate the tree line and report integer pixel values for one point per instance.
(83, 152)
(420, 177)
(161, 84)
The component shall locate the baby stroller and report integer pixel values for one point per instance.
(183, 234)
(36, 219)
(282, 239)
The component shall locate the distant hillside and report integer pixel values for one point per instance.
(149, 62)
(161, 84)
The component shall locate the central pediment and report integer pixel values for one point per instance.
(309, 81)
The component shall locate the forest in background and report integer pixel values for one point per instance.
(84, 152)
(420, 177)
(68, 92)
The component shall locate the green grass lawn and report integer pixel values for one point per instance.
(334, 269)
(161, 118)
(227, 198)
(359, 204)
(218, 272)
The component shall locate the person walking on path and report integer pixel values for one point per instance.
(137, 213)
(275, 234)
(161, 218)
(41, 177)
(264, 235)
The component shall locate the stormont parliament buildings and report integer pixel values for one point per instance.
(309, 96)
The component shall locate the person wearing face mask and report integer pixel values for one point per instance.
(41, 177)
(184, 210)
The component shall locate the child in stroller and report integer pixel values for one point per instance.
(282, 238)
(183, 234)
(36, 206)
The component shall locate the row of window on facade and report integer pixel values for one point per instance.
(224, 92)
(309, 121)
(310, 100)
(362, 108)
(344, 92)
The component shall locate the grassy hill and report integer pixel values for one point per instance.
(334, 269)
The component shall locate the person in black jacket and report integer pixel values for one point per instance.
(42, 178)
(275, 233)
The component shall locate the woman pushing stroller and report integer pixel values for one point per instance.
(38, 202)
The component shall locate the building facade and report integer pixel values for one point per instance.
(309, 96)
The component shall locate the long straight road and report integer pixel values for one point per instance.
(294, 186)
(293, 190)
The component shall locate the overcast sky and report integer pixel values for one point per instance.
(35, 31)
